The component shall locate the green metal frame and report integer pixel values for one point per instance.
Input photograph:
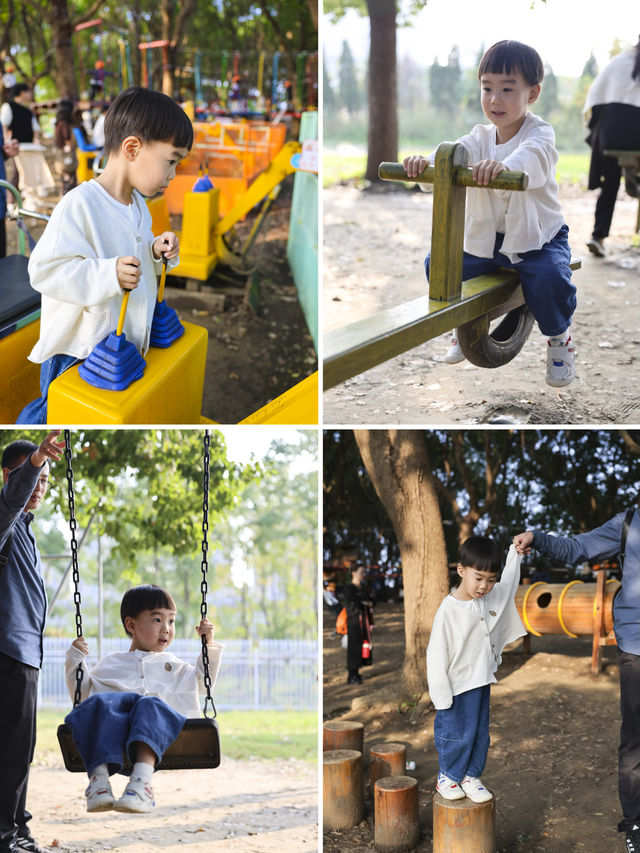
(5, 185)
(366, 343)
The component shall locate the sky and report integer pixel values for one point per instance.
(243, 441)
(564, 32)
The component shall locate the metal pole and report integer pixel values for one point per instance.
(100, 592)
(70, 566)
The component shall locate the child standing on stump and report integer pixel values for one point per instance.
(471, 628)
(99, 243)
(524, 231)
(135, 702)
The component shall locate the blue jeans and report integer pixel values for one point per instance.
(36, 411)
(461, 734)
(545, 275)
(105, 726)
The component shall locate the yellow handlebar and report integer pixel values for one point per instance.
(123, 311)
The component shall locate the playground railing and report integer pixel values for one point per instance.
(269, 675)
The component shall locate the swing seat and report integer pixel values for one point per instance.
(197, 747)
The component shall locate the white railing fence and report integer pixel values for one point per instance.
(268, 675)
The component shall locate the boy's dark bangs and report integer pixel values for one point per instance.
(512, 57)
(145, 597)
(499, 60)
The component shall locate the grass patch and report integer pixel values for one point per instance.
(573, 167)
(270, 735)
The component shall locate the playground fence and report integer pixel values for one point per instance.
(269, 675)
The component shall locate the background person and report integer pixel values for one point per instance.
(612, 114)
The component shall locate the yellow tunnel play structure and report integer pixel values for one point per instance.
(572, 609)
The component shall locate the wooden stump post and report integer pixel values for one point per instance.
(343, 788)
(397, 827)
(387, 759)
(343, 734)
(462, 826)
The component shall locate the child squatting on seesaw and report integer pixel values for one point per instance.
(99, 243)
(135, 702)
(471, 628)
(524, 231)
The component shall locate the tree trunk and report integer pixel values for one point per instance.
(383, 94)
(62, 39)
(399, 468)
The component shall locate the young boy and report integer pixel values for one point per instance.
(520, 230)
(471, 628)
(98, 242)
(137, 700)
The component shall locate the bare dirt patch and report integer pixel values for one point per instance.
(554, 737)
(240, 807)
(375, 242)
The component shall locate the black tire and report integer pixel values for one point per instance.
(494, 348)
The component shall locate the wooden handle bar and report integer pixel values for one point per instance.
(463, 177)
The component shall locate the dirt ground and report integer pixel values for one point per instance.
(240, 807)
(253, 356)
(552, 764)
(374, 247)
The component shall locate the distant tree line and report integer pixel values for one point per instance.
(442, 101)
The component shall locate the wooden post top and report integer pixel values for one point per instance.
(336, 756)
(384, 748)
(396, 783)
(343, 725)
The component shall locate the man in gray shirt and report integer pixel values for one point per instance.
(23, 607)
(602, 543)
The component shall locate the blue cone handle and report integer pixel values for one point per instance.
(114, 364)
(166, 327)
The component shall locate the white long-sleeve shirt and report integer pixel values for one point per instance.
(73, 266)
(159, 674)
(466, 643)
(528, 219)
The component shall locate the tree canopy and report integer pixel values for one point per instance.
(489, 481)
(43, 40)
(142, 490)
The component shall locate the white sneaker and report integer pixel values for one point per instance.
(560, 367)
(99, 795)
(449, 789)
(475, 790)
(454, 353)
(137, 797)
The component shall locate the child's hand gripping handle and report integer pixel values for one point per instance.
(463, 177)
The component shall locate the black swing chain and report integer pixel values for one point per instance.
(204, 566)
(74, 560)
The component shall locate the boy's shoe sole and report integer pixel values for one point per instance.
(101, 806)
(135, 803)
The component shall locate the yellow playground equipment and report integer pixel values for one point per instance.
(171, 389)
(205, 238)
(232, 153)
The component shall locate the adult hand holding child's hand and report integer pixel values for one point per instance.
(128, 270)
(523, 541)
